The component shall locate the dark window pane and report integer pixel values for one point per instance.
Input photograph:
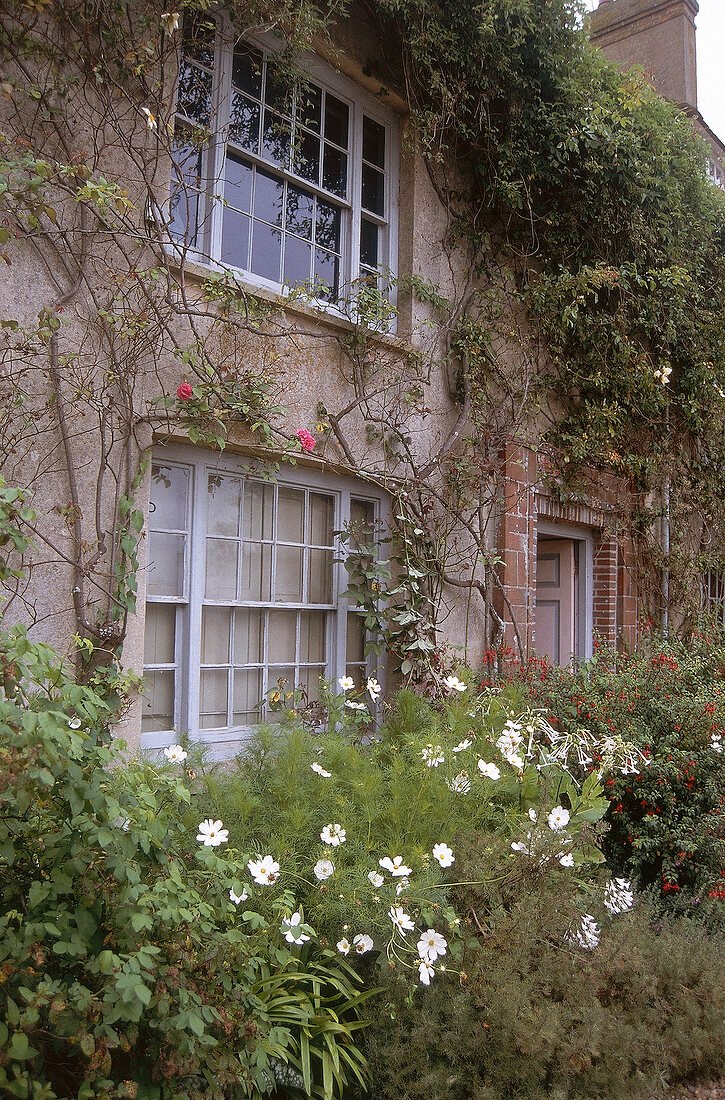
(326, 274)
(266, 252)
(278, 90)
(368, 243)
(244, 122)
(199, 40)
(276, 138)
(334, 172)
(297, 261)
(307, 156)
(235, 239)
(299, 212)
(268, 190)
(247, 70)
(238, 183)
(336, 120)
(184, 204)
(194, 99)
(373, 190)
(373, 142)
(327, 231)
(309, 107)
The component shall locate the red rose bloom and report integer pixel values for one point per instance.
(307, 440)
(184, 392)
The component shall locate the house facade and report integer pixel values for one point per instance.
(226, 372)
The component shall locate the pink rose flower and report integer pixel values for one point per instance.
(307, 440)
(184, 392)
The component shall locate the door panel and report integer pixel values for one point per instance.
(555, 618)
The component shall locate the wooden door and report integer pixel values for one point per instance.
(555, 602)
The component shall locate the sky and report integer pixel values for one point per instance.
(710, 25)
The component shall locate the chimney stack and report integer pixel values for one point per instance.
(659, 35)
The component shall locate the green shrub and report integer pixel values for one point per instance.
(126, 969)
(667, 824)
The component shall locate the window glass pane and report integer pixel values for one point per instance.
(247, 696)
(223, 505)
(158, 702)
(326, 274)
(362, 512)
(281, 673)
(235, 239)
(194, 98)
(327, 226)
(248, 636)
(355, 637)
(300, 209)
(307, 157)
(297, 261)
(320, 578)
(256, 572)
(369, 243)
(268, 197)
(288, 578)
(199, 40)
(278, 89)
(322, 519)
(215, 635)
(244, 116)
(221, 569)
(276, 138)
(291, 515)
(213, 698)
(159, 634)
(373, 190)
(313, 637)
(169, 492)
(309, 106)
(282, 637)
(266, 252)
(166, 564)
(247, 70)
(257, 519)
(336, 120)
(309, 680)
(334, 171)
(373, 142)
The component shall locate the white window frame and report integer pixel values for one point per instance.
(187, 655)
(360, 102)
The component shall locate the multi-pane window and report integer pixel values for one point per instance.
(244, 590)
(713, 593)
(290, 182)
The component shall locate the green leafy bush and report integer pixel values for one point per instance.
(667, 824)
(126, 967)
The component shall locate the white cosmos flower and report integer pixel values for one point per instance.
(264, 871)
(515, 761)
(320, 771)
(426, 972)
(618, 896)
(396, 866)
(292, 931)
(323, 869)
(363, 943)
(452, 683)
(463, 745)
(558, 818)
(432, 755)
(431, 945)
(566, 859)
(526, 847)
(74, 723)
(343, 946)
(334, 835)
(175, 753)
(355, 706)
(402, 885)
(532, 814)
(346, 683)
(376, 879)
(508, 742)
(170, 21)
(400, 919)
(374, 689)
(150, 118)
(587, 934)
(443, 854)
(490, 771)
(238, 898)
(460, 784)
(211, 834)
